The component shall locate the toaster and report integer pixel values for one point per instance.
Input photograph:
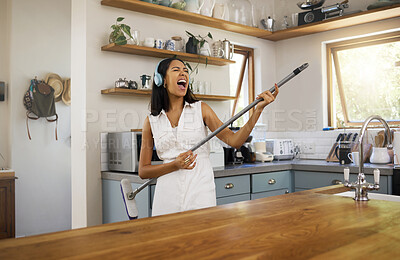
(282, 149)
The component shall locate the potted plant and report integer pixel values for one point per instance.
(196, 43)
(121, 33)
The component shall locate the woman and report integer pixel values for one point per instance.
(177, 122)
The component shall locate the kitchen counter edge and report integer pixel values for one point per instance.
(259, 167)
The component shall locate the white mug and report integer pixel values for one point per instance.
(354, 157)
(149, 42)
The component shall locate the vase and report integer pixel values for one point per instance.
(379, 155)
(205, 50)
(191, 47)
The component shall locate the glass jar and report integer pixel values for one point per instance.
(240, 11)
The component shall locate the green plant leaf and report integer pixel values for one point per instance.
(121, 40)
(188, 66)
(119, 19)
(191, 35)
(127, 30)
(209, 35)
(202, 44)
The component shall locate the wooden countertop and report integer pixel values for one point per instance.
(307, 224)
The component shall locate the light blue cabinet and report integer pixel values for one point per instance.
(271, 184)
(228, 190)
(232, 189)
(305, 180)
(233, 199)
(113, 204)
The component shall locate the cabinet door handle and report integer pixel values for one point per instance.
(287, 192)
(335, 182)
(271, 181)
(229, 186)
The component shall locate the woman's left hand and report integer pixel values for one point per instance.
(268, 97)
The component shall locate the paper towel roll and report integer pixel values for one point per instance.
(396, 147)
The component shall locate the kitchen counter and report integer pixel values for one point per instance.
(259, 167)
(307, 224)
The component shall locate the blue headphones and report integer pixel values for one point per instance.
(158, 78)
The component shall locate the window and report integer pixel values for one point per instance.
(364, 80)
(242, 82)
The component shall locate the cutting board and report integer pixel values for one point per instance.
(331, 156)
(354, 148)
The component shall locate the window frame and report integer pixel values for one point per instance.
(248, 54)
(332, 60)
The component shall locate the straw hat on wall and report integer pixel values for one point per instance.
(66, 96)
(55, 81)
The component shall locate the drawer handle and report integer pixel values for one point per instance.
(287, 192)
(271, 181)
(335, 182)
(229, 186)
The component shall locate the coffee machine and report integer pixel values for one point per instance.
(246, 149)
(231, 154)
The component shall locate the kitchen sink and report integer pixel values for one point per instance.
(373, 196)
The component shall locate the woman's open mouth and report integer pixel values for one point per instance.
(182, 84)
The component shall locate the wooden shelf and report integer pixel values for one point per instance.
(158, 53)
(330, 24)
(134, 92)
(168, 12)
(337, 23)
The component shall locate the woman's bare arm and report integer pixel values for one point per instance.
(237, 139)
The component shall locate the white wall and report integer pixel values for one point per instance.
(40, 43)
(78, 113)
(4, 76)
(118, 113)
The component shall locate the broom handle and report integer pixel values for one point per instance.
(224, 125)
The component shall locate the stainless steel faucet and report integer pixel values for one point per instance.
(361, 186)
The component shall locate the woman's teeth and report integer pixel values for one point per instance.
(182, 83)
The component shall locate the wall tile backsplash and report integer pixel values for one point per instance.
(320, 142)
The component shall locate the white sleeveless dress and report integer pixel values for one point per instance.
(183, 189)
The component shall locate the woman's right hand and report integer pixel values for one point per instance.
(186, 160)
